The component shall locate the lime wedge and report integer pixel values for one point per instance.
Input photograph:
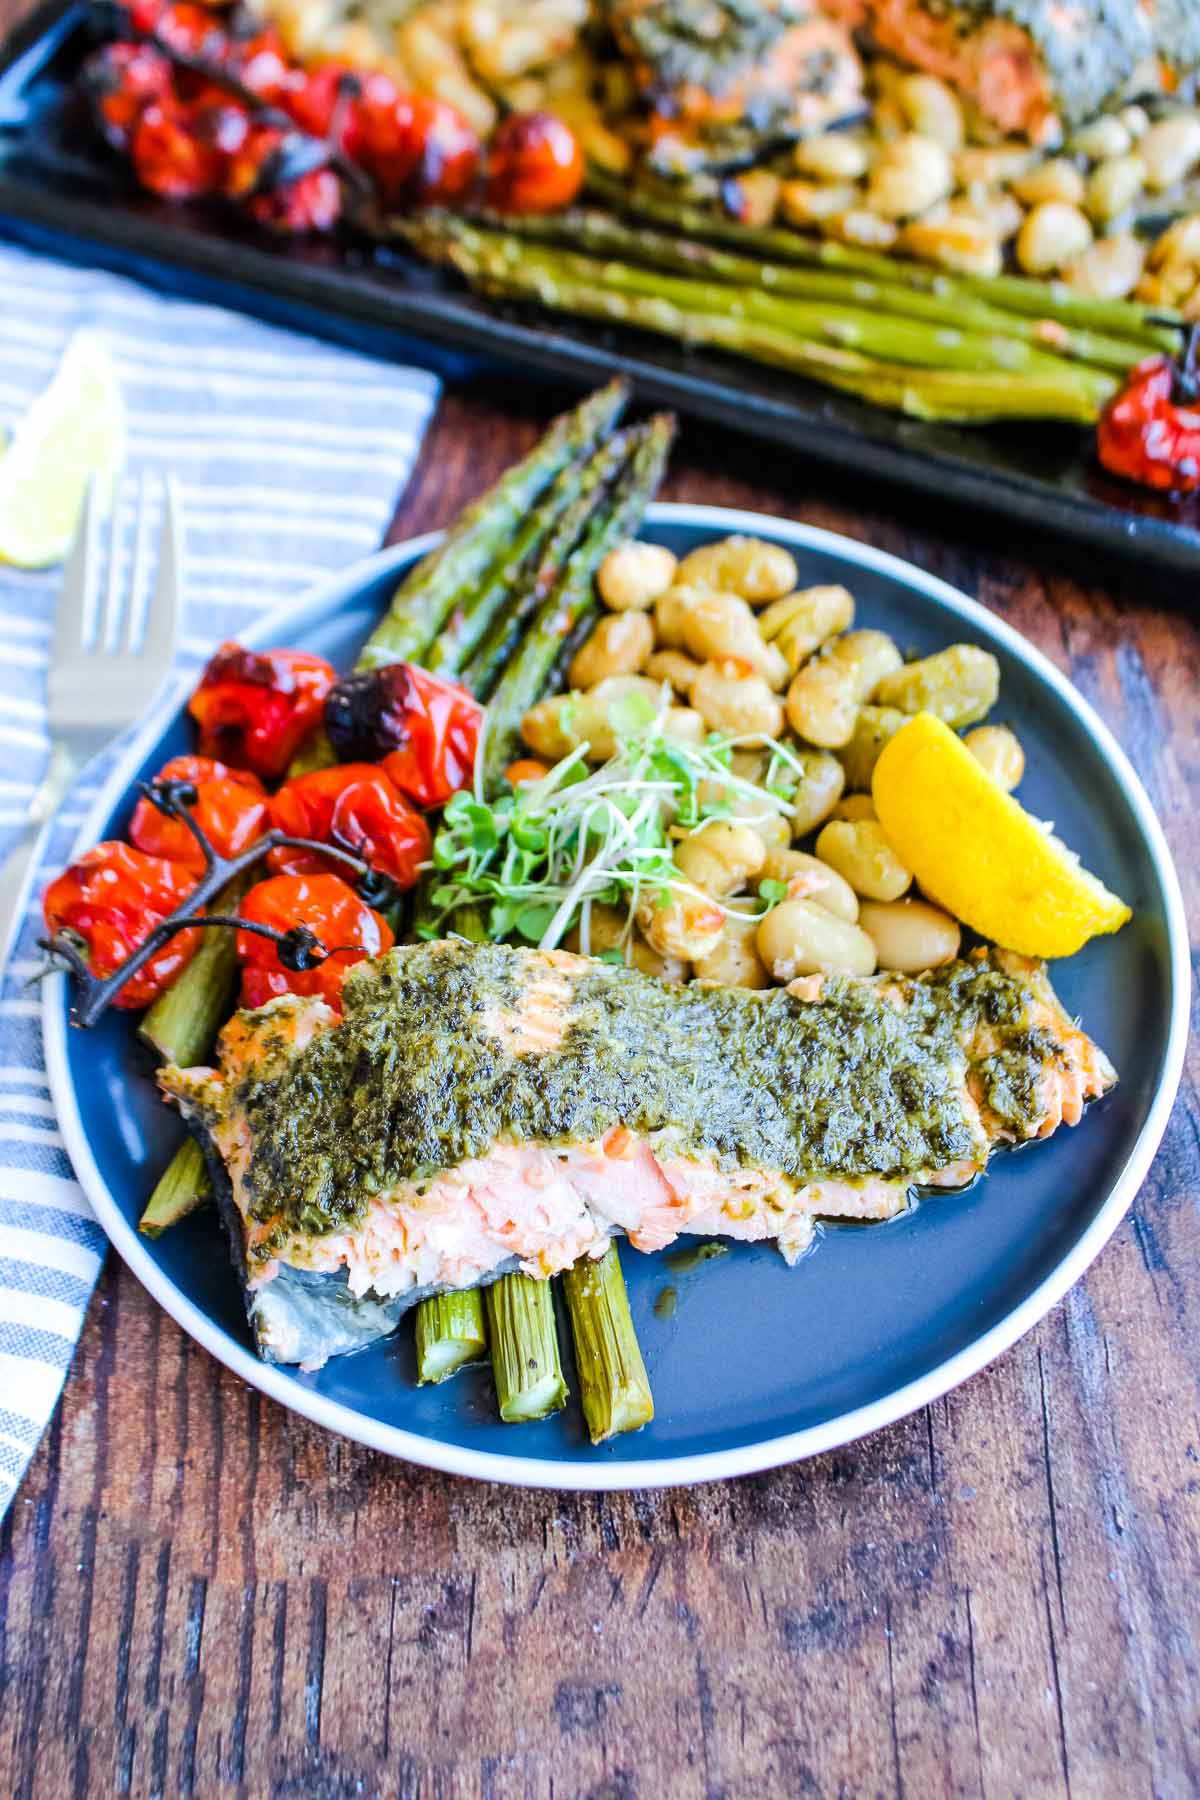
(74, 431)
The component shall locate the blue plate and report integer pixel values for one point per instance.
(759, 1364)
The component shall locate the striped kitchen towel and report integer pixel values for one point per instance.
(290, 456)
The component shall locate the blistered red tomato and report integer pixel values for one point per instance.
(321, 100)
(355, 807)
(193, 30)
(418, 151)
(123, 80)
(145, 14)
(223, 125)
(425, 729)
(244, 170)
(344, 925)
(230, 809)
(535, 164)
(313, 202)
(1150, 431)
(112, 898)
(261, 65)
(449, 152)
(170, 158)
(256, 707)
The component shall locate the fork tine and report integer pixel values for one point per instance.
(135, 612)
(108, 629)
(166, 606)
(71, 622)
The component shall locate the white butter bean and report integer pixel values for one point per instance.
(861, 854)
(619, 645)
(808, 878)
(748, 566)
(824, 698)
(633, 575)
(910, 936)
(798, 937)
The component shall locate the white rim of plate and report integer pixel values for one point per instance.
(593, 1471)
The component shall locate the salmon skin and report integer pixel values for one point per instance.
(1023, 63)
(480, 1108)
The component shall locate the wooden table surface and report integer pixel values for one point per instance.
(202, 1594)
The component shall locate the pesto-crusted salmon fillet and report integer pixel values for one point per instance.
(1174, 28)
(755, 64)
(479, 1108)
(1023, 63)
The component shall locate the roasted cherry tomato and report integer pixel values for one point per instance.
(321, 101)
(1150, 433)
(192, 30)
(256, 707)
(535, 164)
(311, 203)
(224, 126)
(356, 807)
(123, 79)
(417, 150)
(448, 160)
(380, 137)
(244, 170)
(145, 14)
(230, 809)
(170, 158)
(260, 64)
(425, 729)
(113, 897)
(332, 911)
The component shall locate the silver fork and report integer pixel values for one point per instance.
(106, 667)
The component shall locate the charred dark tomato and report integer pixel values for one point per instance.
(170, 158)
(256, 707)
(357, 808)
(112, 898)
(250, 166)
(425, 729)
(230, 808)
(121, 81)
(273, 174)
(311, 203)
(535, 164)
(343, 925)
(222, 124)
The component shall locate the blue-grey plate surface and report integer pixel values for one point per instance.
(760, 1363)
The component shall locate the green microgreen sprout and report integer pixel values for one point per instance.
(538, 858)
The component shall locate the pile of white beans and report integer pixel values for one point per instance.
(742, 650)
(913, 180)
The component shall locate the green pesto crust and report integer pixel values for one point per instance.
(416, 1079)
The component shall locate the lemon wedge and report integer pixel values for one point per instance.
(74, 431)
(977, 852)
